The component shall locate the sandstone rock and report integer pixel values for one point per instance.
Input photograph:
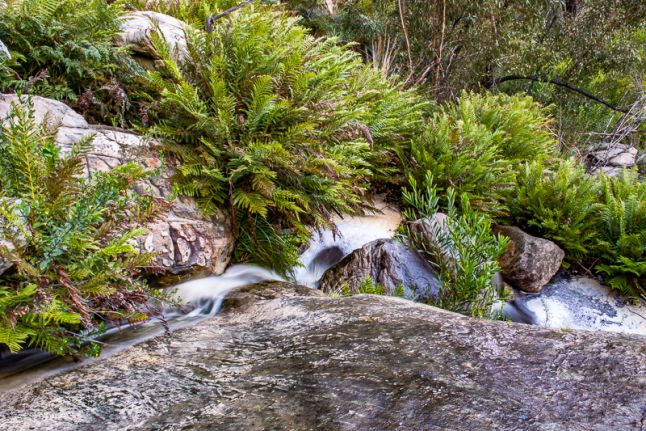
(185, 240)
(4, 51)
(427, 228)
(388, 263)
(138, 28)
(530, 262)
(615, 155)
(18, 237)
(282, 360)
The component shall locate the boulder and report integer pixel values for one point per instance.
(612, 159)
(138, 28)
(283, 357)
(184, 240)
(530, 262)
(4, 51)
(387, 262)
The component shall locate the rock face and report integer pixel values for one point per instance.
(185, 240)
(138, 28)
(4, 51)
(612, 159)
(388, 263)
(288, 358)
(530, 262)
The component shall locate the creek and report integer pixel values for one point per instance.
(567, 302)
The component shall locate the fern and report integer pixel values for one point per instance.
(280, 128)
(68, 238)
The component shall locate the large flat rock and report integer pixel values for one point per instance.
(284, 357)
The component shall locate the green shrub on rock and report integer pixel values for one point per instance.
(282, 129)
(66, 241)
(476, 144)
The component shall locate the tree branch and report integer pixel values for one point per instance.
(567, 85)
(211, 20)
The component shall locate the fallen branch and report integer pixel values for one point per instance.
(567, 85)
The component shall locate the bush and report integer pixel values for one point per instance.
(64, 49)
(476, 144)
(622, 233)
(69, 240)
(464, 251)
(281, 129)
(558, 202)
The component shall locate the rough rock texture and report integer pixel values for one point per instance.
(186, 241)
(4, 51)
(283, 360)
(388, 263)
(530, 262)
(613, 159)
(138, 27)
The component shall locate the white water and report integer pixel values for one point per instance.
(581, 303)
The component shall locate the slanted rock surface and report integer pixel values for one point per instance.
(530, 262)
(387, 262)
(285, 357)
(185, 240)
(138, 28)
(4, 51)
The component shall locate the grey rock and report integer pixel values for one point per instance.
(619, 155)
(387, 262)
(284, 357)
(4, 51)
(530, 262)
(138, 28)
(185, 241)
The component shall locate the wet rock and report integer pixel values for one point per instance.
(288, 360)
(530, 262)
(184, 240)
(579, 303)
(387, 262)
(138, 28)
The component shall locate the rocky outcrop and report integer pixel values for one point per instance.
(184, 240)
(530, 262)
(387, 262)
(4, 51)
(283, 357)
(612, 159)
(137, 32)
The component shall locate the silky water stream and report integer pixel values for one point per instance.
(567, 302)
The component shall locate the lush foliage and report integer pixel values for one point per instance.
(69, 241)
(476, 145)
(599, 221)
(281, 129)
(64, 49)
(452, 45)
(464, 250)
(622, 230)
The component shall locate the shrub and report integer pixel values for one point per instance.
(281, 129)
(558, 202)
(622, 233)
(63, 49)
(464, 251)
(69, 240)
(475, 145)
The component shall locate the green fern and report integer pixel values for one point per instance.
(68, 238)
(281, 129)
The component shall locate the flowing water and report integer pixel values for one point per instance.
(578, 303)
